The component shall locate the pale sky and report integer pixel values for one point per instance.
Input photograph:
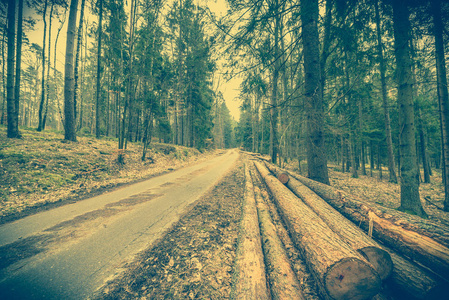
(229, 89)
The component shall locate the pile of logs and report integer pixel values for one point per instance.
(351, 263)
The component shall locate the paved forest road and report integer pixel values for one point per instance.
(69, 252)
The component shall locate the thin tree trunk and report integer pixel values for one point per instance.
(97, 103)
(274, 142)
(423, 146)
(410, 200)
(13, 126)
(379, 160)
(362, 143)
(371, 155)
(316, 152)
(44, 119)
(2, 119)
(326, 44)
(391, 166)
(77, 57)
(443, 95)
(69, 107)
(18, 61)
(41, 126)
(54, 67)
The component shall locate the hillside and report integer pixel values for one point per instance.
(41, 170)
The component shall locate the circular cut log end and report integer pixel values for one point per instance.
(352, 278)
(284, 178)
(380, 259)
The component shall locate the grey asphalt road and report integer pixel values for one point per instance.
(89, 241)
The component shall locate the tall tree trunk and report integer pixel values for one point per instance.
(77, 58)
(443, 95)
(316, 152)
(410, 200)
(423, 146)
(54, 67)
(18, 60)
(97, 103)
(361, 137)
(47, 96)
(13, 126)
(69, 107)
(274, 141)
(391, 166)
(326, 44)
(40, 127)
(2, 118)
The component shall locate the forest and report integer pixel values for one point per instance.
(359, 84)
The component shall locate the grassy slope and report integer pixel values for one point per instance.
(41, 168)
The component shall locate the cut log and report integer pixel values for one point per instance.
(395, 229)
(256, 156)
(249, 280)
(283, 177)
(283, 282)
(340, 271)
(348, 232)
(409, 281)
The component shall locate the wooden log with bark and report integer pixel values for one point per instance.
(256, 156)
(410, 281)
(341, 272)
(402, 232)
(249, 280)
(283, 281)
(348, 231)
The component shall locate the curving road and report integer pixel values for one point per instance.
(70, 251)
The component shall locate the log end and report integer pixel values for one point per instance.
(352, 278)
(284, 178)
(380, 259)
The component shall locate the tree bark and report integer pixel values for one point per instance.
(346, 230)
(410, 281)
(316, 152)
(41, 126)
(13, 126)
(443, 95)
(410, 201)
(341, 272)
(250, 281)
(283, 282)
(77, 59)
(423, 147)
(387, 122)
(18, 60)
(274, 141)
(97, 103)
(69, 108)
(424, 240)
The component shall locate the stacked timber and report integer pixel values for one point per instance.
(341, 272)
(250, 279)
(407, 279)
(256, 156)
(283, 282)
(351, 234)
(395, 229)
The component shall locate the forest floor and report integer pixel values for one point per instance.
(373, 189)
(42, 171)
